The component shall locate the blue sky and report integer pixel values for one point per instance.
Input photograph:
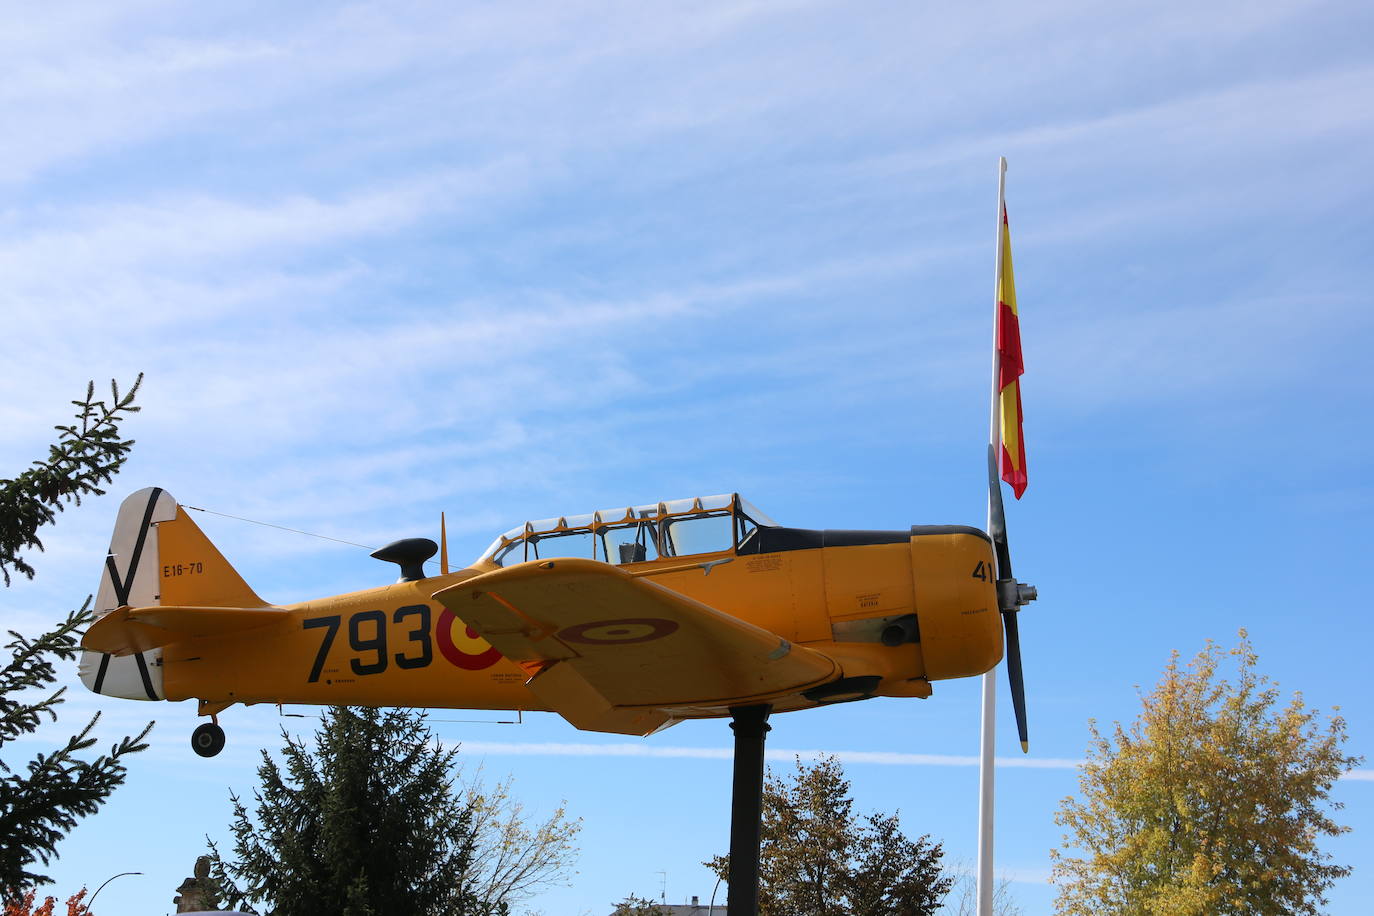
(517, 260)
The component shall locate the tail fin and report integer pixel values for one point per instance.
(157, 556)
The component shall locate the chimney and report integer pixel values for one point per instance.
(696, 901)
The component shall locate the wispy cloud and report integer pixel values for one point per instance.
(884, 758)
(511, 260)
(881, 758)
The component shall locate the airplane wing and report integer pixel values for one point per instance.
(127, 630)
(613, 652)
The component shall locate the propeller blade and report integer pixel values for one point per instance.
(997, 517)
(1014, 677)
(1010, 596)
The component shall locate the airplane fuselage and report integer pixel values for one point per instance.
(397, 646)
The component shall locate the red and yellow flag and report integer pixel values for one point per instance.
(1011, 367)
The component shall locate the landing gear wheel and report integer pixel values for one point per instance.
(208, 739)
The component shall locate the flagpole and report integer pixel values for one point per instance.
(989, 716)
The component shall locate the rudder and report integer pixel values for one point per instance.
(157, 556)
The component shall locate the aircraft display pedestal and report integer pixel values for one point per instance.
(750, 725)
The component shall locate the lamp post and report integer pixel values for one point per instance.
(711, 908)
(107, 881)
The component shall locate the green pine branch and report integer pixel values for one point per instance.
(88, 453)
(40, 804)
(29, 668)
(43, 799)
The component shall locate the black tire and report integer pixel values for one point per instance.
(208, 739)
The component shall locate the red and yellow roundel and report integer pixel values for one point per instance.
(618, 632)
(460, 644)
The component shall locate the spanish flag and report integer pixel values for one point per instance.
(1009, 373)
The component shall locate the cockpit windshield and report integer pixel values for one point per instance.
(634, 534)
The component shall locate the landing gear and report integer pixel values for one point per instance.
(208, 739)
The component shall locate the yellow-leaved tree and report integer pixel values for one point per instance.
(1213, 802)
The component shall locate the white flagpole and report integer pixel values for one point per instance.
(989, 718)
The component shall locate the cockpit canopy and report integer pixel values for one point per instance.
(635, 534)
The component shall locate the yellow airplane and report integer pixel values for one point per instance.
(626, 620)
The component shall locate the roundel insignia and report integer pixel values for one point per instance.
(619, 632)
(460, 644)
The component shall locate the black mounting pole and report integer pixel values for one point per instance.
(751, 727)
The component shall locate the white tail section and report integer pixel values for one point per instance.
(130, 578)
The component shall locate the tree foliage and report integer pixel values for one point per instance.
(87, 453)
(41, 801)
(637, 906)
(369, 821)
(24, 906)
(41, 804)
(513, 859)
(963, 895)
(1213, 802)
(819, 859)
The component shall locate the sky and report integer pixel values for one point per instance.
(518, 260)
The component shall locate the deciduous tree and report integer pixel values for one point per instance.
(1213, 802)
(963, 896)
(818, 859)
(24, 906)
(513, 858)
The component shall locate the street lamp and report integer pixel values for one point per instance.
(107, 881)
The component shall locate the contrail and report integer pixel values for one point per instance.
(725, 753)
(885, 758)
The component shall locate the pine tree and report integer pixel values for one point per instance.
(87, 453)
(818, 859)
(369, 822)
(42, 801)
(39, 807)
(1212, 803)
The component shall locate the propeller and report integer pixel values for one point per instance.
(1011, 595)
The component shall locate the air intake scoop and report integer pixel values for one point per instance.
(410, 554)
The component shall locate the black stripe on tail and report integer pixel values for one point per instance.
(122, 590)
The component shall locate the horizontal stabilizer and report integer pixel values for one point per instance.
(126, 630)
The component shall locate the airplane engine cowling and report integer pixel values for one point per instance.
(956, 600)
